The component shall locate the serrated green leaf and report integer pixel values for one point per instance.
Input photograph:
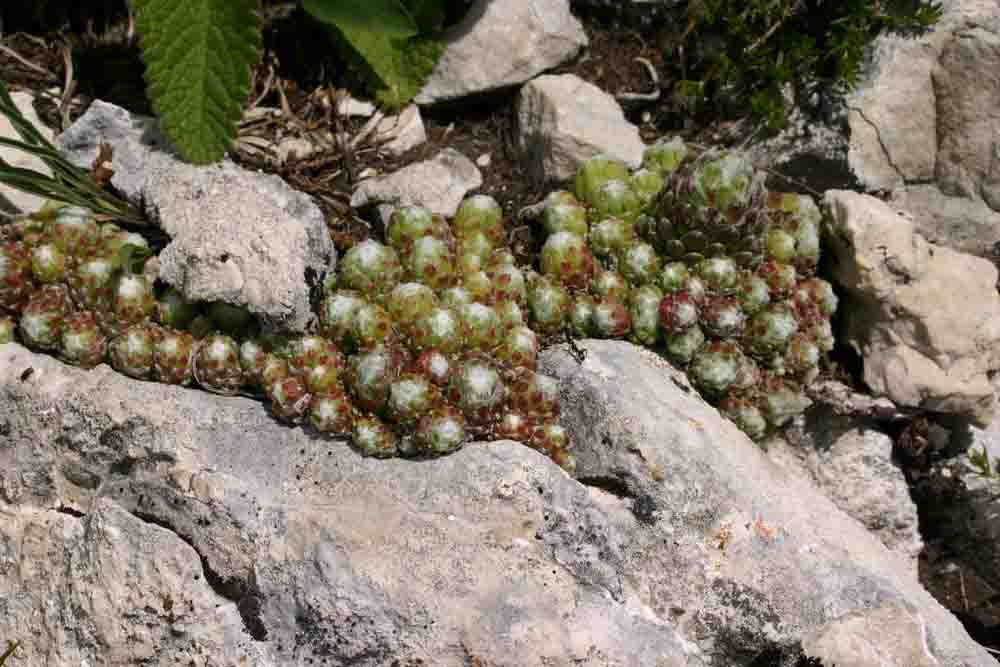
(198, 56)
(387, 39)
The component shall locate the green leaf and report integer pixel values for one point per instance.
(387, 39)
(199, 55)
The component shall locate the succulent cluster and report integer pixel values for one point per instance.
(432, 337)
(422, 341)
(691, 255)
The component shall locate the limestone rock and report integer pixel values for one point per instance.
(924, 318)
(965, 224)
(11, 200)
(902, 639)
(503, 43)
(229, 535)
(120, 590)
(742, 551)
(920, 125)
(232, 536)
(439, 184)
(237, 236)
(850, 460)
(893, 137)
(563, 120)
(968, 110)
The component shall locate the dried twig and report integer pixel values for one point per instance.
(961, 583)
(367, 129)
(286, 108)
(69, 87)
(268, 82)
(774, 28)
(27, 63)
(11, 648)
(644, 97)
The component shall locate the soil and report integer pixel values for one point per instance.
(95, 37)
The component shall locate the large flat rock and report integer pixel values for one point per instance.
(170, 526)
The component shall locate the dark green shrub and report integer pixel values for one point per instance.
(735, 58)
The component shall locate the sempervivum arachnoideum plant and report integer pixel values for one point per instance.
(431, 338)
(422, 342)
(693, 256)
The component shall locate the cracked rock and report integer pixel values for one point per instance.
(851, 461)
(924, 318)
(692, 549)
(111, 589)
(249, 525)
(920, 126)
(236, 236)
(749, 556)
(968, 99)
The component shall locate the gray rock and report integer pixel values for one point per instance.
(893, 138)
(121, 590)
(901, 634)
(169, 524)
(563, 120)
(968, 119)
(920, 123)
(237, 236)
(924, 318)
(965, 224)
(11, 200)
(149, 523)
(739, 553)
(842, 401)
(503, 43)
(850, 460)
(439, 184)
(813, 147)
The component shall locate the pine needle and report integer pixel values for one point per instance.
(68, 183)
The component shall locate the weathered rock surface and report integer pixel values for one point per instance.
(439, 184)
(968, 110)
(739, 553)
(924, 318)
(503, 43)
(237, 236)
(967, 225)
(11, 200)
(850, 460)
(268, 545)
(174, 526)
(920, 125)
(562, 120)
(893, 134)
